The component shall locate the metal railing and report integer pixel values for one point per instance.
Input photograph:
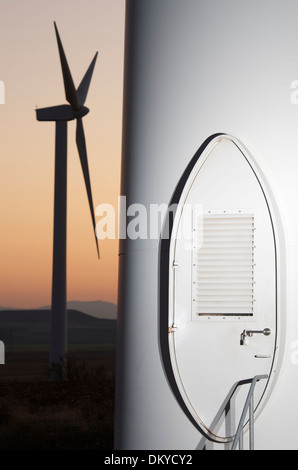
(226, 414)
(248, 406)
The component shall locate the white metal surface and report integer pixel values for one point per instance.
(224, 284)
(194, 69)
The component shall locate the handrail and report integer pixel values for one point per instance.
(225, 408)
(249, 404)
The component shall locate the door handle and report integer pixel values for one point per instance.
(250, 333)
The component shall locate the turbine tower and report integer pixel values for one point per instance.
(61, 115)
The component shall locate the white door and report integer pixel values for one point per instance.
(222, 295)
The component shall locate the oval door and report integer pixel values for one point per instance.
(222, 286)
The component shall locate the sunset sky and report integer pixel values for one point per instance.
(30, 69)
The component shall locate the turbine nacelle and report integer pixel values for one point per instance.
(64, 112)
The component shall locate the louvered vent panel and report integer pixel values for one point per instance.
(223, 268)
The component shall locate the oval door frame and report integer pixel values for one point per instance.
(165, 281)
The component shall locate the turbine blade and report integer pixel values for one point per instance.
(70, 90)
(81, 144)
(84, 85)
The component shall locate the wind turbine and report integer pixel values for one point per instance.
(61, 115)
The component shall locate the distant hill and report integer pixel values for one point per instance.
(32, 327)
(97, 308)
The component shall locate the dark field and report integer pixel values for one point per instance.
(42, 415)
(77, 414)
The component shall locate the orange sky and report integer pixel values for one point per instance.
(30, 70)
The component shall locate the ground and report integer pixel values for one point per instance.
(36, 414)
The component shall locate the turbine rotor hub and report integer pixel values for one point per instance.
(81, 113)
